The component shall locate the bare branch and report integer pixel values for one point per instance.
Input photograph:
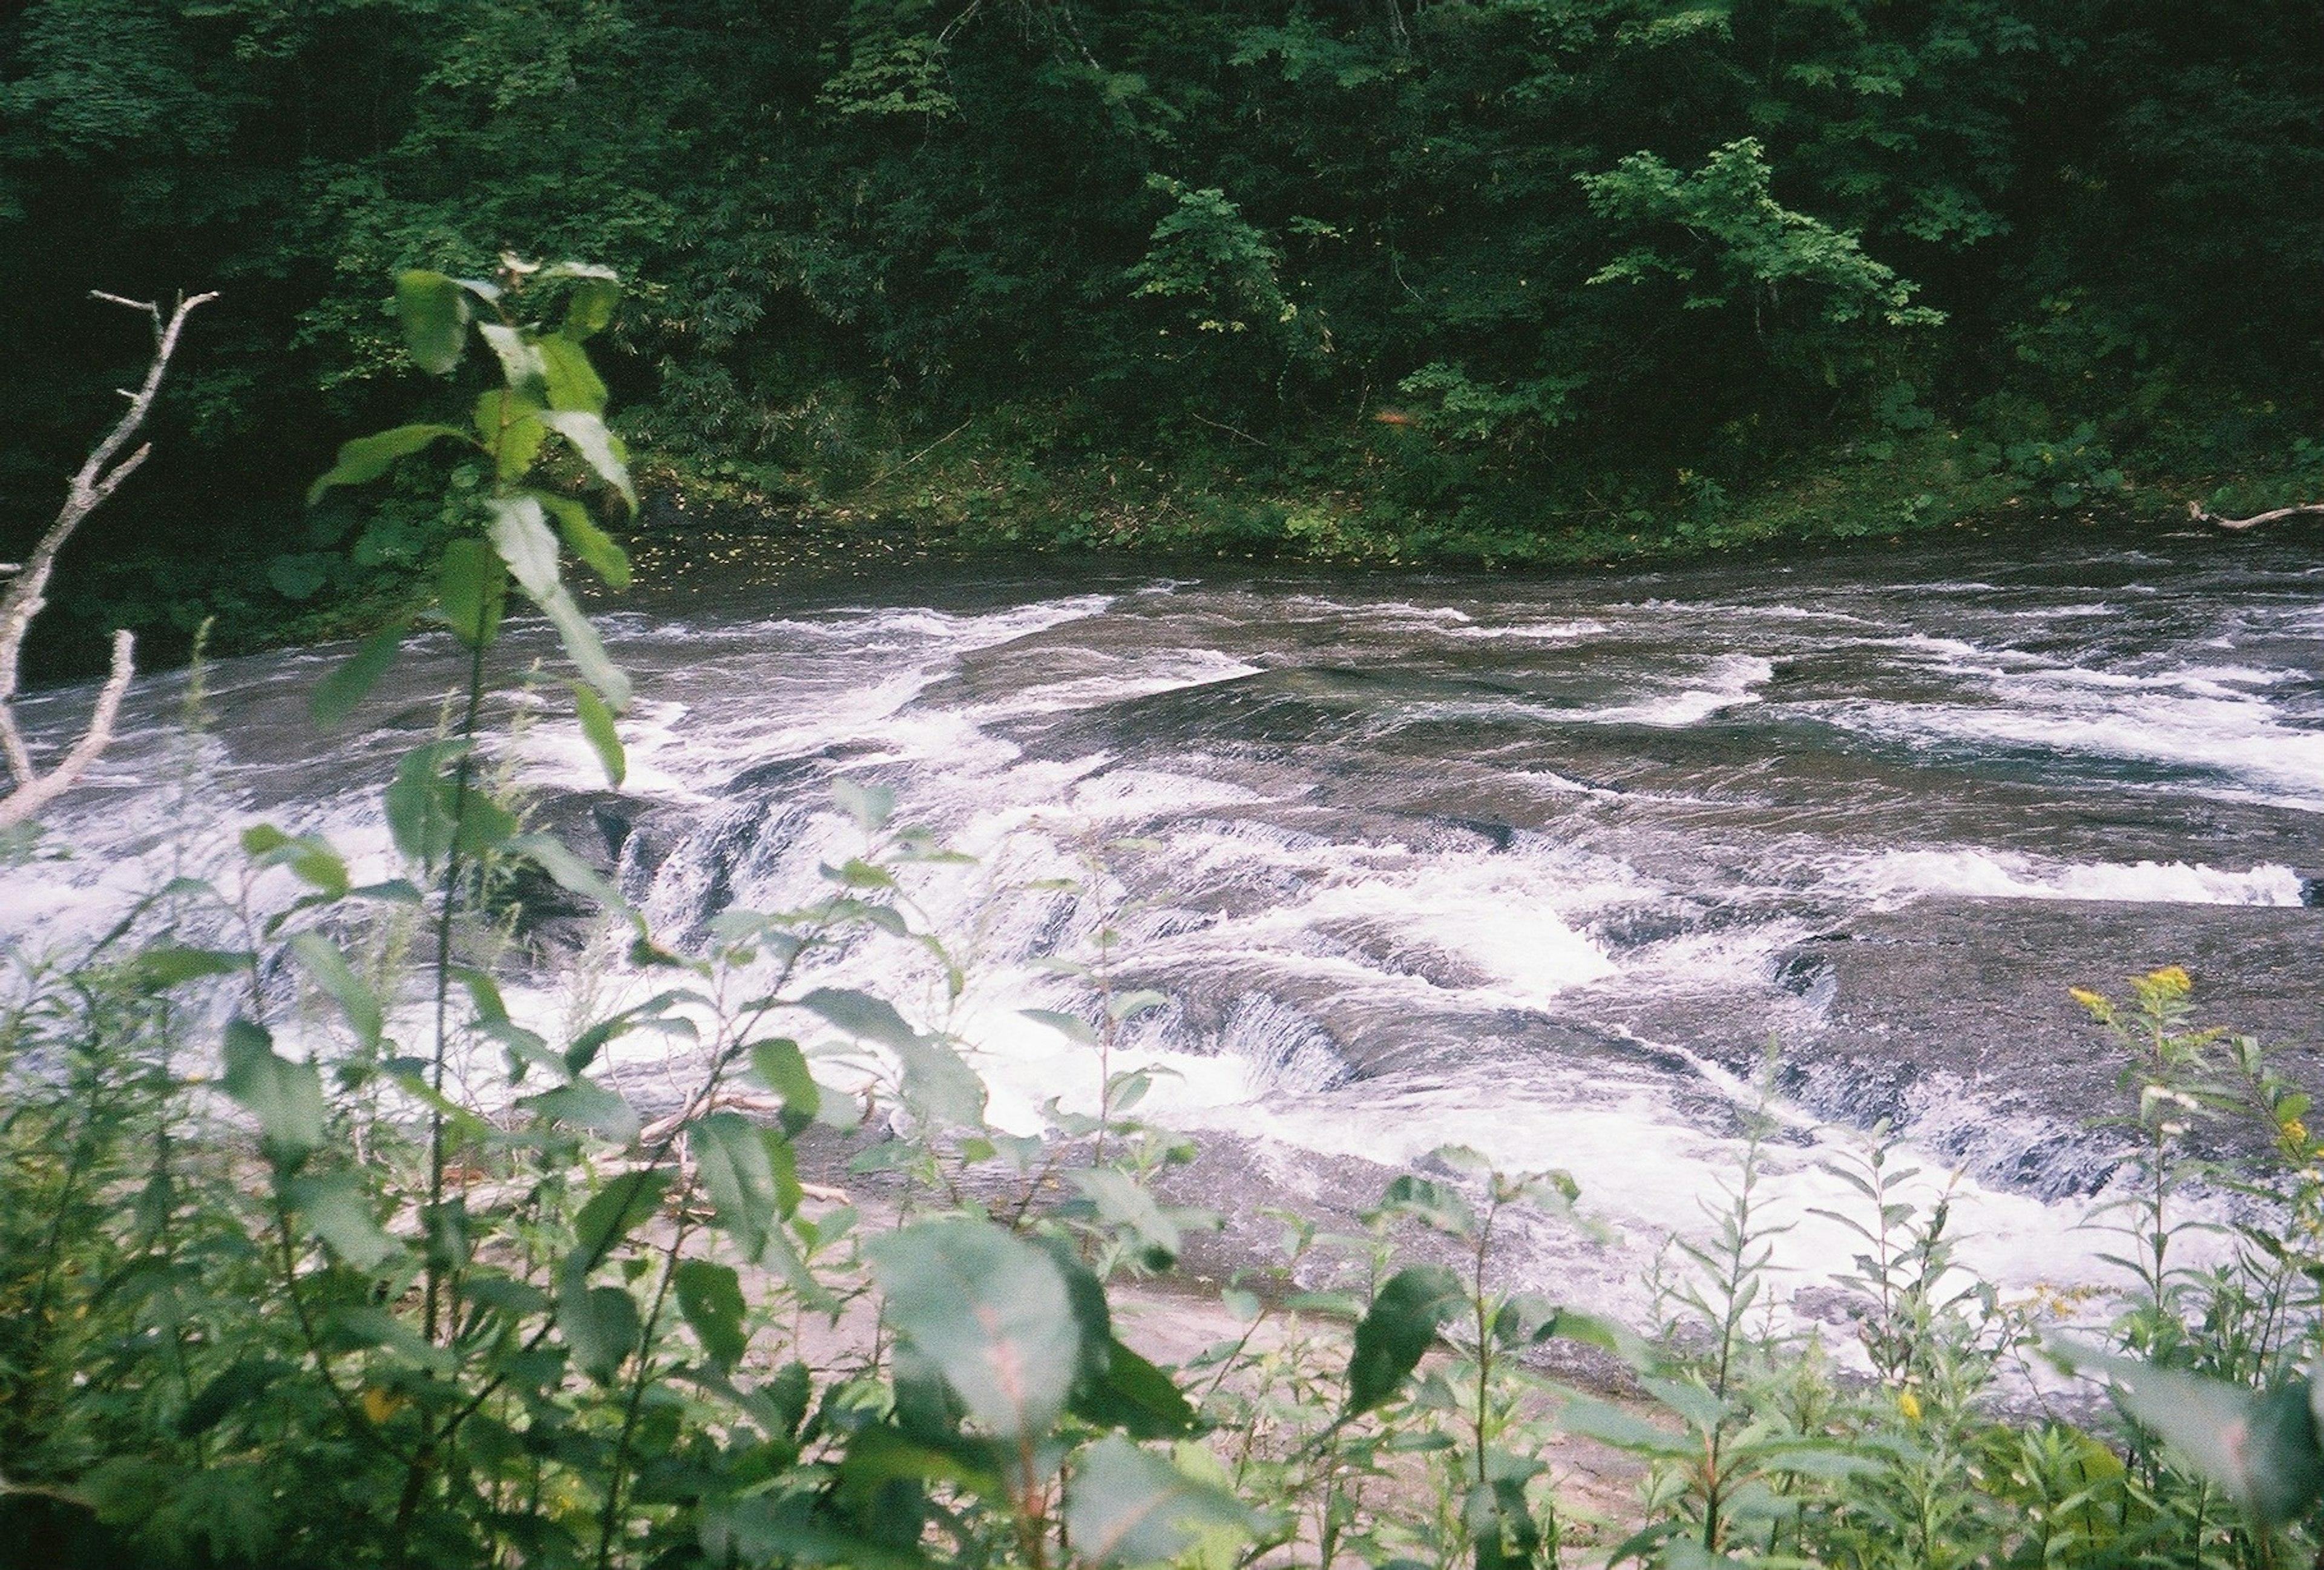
(27, 592)
(2197, 511)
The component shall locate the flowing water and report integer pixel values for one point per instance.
(1537, 865)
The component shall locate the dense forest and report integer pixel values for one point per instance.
(1514, 279)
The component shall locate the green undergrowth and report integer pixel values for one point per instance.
(318, 1247)
(1388, 498)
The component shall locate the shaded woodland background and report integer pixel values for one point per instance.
(1508, 280)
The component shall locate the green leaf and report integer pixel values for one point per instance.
(1124, 1203)
(937, 1083)
(569, 872)
(367, 458)
(418, 814)
(990, 1310)
(598, 730)
(598, 447)
(781, 1068)
(1124, 1506)
(870, 806)
(2261, 1448)
(1500, 1524)
(596, 294)
(1072, 1027)
(242, 1383)
(434, 311)
(769, 1529)
(523, 365)
(587, 1105)
(570, 379)
(285, 1097)
(472, 587)
(1136, 1396)
(521, 535)
(613, 1213)
(350, 681)
(1127, 1004)
(1610, 1424)
(1439, 1205)
(166, 966)
(601, 1325)
(1391, 1337)
(338, 1211)
(582, 647)
(710, 1296)
(749, 1174)
(584, 539)
(508, 426)
(330, 969)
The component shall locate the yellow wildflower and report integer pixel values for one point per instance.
(2170, 981)
(2295, 1132)
(1910, 1405)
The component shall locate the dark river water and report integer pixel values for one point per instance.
(1538, 866)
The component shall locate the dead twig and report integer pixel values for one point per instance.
(2198, 512)
(27, 595)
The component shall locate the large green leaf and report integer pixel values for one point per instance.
(781, 1068)
(601, 1325)
(771, 1529)
(335, 1209)
(937, 1083)
(1440, 1206)
(584, 539)
(598, 447)
(570, 379)
(523, 365)
(587, 1105)
(991, 1311)
(2261, 1448)
(472, 587)
(598, 730)
(1134, 1396)
(710, 1296)
(367, 458)
(613, 1213)
(1124, 1506)
(522, 536)
(751, 1174)
(434, 311)
(1123, 1202)
(350, 681)
(430, 816)
(508, 426)
(329, 970)
(285, 1097)
(1398, 1328)
(596, 294)
(570, 872)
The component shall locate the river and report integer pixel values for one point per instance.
(1538, 864)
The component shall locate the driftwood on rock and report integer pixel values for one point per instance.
(2201, 514)
(32, 788)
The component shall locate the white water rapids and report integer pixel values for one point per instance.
(1537, 865)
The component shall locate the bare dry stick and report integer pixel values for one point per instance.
(96, 479)
(2197, 511)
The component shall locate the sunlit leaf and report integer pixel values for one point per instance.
(990, 1310)
(1125, 1506)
